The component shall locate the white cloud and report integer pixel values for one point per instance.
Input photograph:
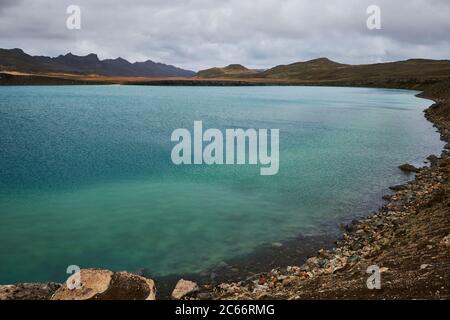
(197, 34)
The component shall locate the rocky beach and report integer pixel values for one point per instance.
(409, 239)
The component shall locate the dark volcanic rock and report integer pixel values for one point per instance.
(408, 168)
(398, 187)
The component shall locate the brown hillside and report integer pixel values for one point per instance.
(230, 71)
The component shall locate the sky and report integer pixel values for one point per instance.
(198, 34)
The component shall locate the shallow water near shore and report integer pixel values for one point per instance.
(86, 176)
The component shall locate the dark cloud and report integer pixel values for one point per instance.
(6, 4)
(202, 33)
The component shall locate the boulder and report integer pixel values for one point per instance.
(398, 187)
(408, 168)
(184, 288)
(107, 285)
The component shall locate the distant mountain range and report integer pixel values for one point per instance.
(320, 71)
(17, 60)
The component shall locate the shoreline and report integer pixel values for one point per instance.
(416, 216)
(340, 272)
(8, 78)
(241, 268)
(287, 252)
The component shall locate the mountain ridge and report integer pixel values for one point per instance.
(320, 71)
(324, 70)
(17, 60)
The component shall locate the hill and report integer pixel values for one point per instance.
(408, 74)
(230, 71)
(323, 69)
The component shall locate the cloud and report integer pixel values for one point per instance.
(5, 4)
(197, 34)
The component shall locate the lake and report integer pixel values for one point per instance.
(86, 176)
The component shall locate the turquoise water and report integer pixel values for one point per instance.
(86, 176)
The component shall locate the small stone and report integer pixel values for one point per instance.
(313, 262)
(204, 296)
(273, 280)
(183, 288)
(277, 244)
(424, 266)
(446, 241)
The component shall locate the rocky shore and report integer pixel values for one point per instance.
(408, 239)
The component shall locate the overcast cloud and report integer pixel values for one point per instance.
(197, 34)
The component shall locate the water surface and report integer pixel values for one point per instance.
(86, 176)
